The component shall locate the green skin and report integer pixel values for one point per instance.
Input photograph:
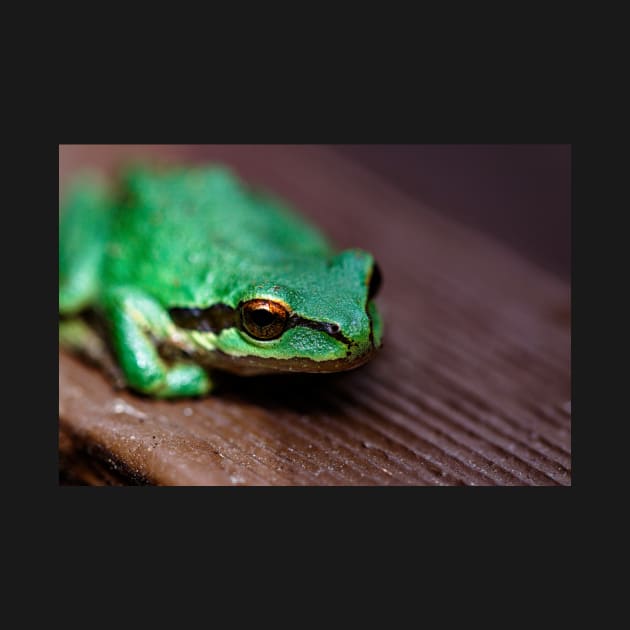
(197, 238)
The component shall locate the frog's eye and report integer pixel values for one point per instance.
(376, 280)
(264, 319)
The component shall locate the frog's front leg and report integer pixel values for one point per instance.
(137, 323)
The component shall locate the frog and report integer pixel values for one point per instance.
(190, 269)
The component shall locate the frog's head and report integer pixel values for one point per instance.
(300, 316)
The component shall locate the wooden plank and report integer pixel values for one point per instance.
(472, 386)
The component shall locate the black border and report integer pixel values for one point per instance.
(431, 94)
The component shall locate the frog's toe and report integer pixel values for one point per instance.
(184, 379)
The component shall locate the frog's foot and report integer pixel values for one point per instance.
(182, 379)
(74, 295)
(138, 322)
(78, 337)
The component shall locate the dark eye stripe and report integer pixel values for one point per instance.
(332, 329)
(221, 316)
(213, 319)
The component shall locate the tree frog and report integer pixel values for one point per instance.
(193, 270)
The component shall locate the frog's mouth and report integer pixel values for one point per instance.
(250, 365)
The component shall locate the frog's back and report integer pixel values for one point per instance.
(174, 226)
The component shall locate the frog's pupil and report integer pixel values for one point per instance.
(262, 317)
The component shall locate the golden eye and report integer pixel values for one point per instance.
(264, 319)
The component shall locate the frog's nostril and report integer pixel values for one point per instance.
(334, 328)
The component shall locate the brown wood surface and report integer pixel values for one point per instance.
(472, 386)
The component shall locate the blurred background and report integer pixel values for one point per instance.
(518, 193)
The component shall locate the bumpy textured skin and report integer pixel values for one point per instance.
(195, 238)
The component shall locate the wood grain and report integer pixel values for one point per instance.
(472, 386)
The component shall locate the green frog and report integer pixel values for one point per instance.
(192, 270)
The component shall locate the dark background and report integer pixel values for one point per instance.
(518, 193)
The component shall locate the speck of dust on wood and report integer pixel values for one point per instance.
(472, 386)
